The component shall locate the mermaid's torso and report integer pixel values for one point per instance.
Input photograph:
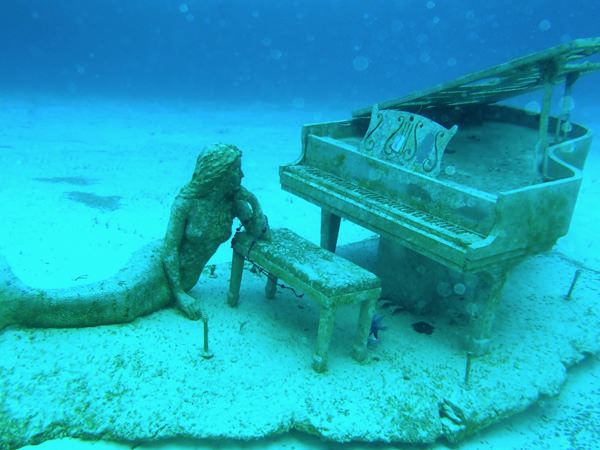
(208, 226)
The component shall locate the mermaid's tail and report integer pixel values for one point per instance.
(139, 288)
(11, 288)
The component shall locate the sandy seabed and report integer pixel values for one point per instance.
(87, 182)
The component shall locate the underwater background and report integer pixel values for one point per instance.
(289, 52)
(120, 94)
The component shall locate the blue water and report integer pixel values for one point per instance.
(296, 53)
(353, 52)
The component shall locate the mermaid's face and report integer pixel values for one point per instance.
(232, 179)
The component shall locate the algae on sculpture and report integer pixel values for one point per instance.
(159, 274)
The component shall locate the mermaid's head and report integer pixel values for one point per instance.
(213, 162)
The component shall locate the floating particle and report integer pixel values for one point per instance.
(533, 107)
(397, 26)
(472, 309)
(567, 127)
(360, 63)
(544, 25)
(444, 289)
(567, 103)
(460, 289)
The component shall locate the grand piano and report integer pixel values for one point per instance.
(455, 173)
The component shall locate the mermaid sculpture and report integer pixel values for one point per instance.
(160, 273)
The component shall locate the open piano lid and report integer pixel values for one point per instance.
(560, 64)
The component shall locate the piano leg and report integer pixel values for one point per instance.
(330, 229)
(482, 320)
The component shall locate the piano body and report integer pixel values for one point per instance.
(455, 176)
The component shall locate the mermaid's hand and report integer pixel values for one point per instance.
(189, 305)
(259, 227)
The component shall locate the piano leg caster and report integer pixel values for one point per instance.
(359, 354)
(319, 364)
(478, 347)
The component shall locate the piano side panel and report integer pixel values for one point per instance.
(533, 218)
(567, 158)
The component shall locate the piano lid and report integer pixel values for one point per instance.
(522, 75)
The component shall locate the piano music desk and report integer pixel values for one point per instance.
(328, 279)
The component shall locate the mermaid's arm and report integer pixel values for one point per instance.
(172, 243)
(249, 211)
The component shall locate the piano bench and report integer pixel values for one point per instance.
(309, 269)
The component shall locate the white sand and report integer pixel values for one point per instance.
(145, 151)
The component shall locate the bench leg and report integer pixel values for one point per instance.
(323, 338)
(330, 229)
(367, 309)
(271, 286)
(235, 280)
